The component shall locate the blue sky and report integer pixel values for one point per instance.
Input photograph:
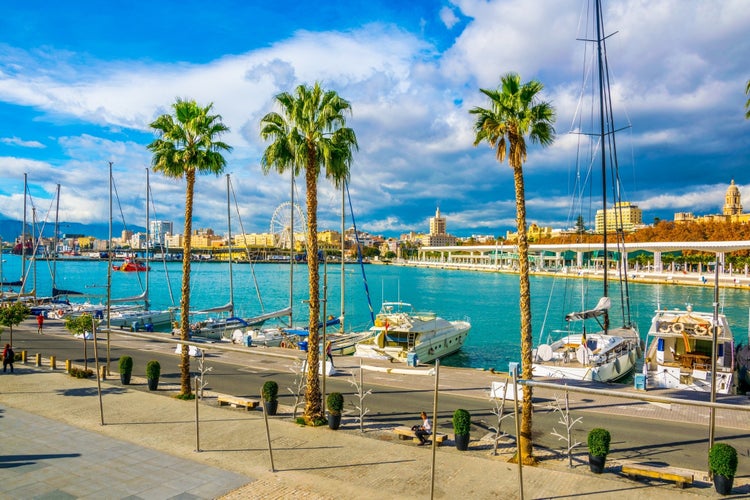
(80, 82)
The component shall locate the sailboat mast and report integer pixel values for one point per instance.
(109, 269)
(291, 253)
(602, 143)
(55, 243)
(23, 236)
(146, 303)
(343, 260)
(229, 246)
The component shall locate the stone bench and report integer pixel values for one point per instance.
(680, 477)
(237, 402)
(405, 433)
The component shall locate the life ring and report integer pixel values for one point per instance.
(282, 344)
(717, 329)
(701, 330)
(664, 327)
(60, 313)
(677, 327)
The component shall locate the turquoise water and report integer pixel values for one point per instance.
(490, 300)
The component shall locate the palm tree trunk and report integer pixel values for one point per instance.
(185, 386)
(526, 445)
(313, 406)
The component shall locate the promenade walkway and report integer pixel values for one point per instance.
(54, 446)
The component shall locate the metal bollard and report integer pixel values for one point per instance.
(67, 366)
(38, 359)
(103, 370)
(24, 355)
(52, 362)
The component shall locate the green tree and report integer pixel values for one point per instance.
(13, 315)
(187, 144)
(515, 111)
(580, 225)
(79, 325)
(310, 135)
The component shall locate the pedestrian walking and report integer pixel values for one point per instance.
(328, 353)
(39, 323)
(8, 358)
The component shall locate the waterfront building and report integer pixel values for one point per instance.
(258, 240)
(732, 211)
(158, 229)
(438, 232)
(624, 214)
(533, 233)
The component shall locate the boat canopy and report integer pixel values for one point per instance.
(601, 309)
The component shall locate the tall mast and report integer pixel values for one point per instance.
(23, 236)
(229, 246)
(343, 263)
(55, 243)
(109, 268)
(291, 254)
(600, 57)
(146, 302)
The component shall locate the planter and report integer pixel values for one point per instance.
(334, 421)
(153, 384)
(271, 406)
(596, 463)
(723, 484)
(462, 441)
(125, 378)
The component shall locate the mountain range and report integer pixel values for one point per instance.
(11, 229)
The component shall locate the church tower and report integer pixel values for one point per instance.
(732, 201)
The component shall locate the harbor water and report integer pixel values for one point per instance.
(489, 300)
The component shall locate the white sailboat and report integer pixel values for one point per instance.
(605, 354)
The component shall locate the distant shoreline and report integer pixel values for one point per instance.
(736, 280)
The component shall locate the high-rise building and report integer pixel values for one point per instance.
(437, 224)
(438, 235)
(158, 229)
(624, 214)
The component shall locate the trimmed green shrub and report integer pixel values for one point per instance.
(461, 422)
(153, 369)
(722, 460)
(335, 403)
(270, 391)
(598, 441)
(81, 373)
(125, 365)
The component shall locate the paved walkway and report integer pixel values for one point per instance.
(54, 446)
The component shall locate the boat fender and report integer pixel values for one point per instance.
(639, 351)
(631, 357)
(617, 365)
(701, 330)
(678, 327)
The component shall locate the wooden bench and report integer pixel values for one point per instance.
(237, 402)
(405, 433)
(665, 473)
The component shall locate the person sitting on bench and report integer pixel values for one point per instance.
(424, 430)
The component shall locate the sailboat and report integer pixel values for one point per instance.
(137, 318)
(605, 354)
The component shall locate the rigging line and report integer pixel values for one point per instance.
(359, 253)
(162, 243)
(247, 247)
(125, 228)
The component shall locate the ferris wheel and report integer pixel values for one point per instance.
(281, 224)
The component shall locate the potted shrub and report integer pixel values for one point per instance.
(598, 441)
(126, 369)
(335, 404)
(153, 371)
(270, 394)
(722, 463)
(461, 428)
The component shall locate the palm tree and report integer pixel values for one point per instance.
(747, 104)
(188, 144)
(310, 135)
(516, 111)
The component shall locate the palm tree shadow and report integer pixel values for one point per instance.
(12, 461)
